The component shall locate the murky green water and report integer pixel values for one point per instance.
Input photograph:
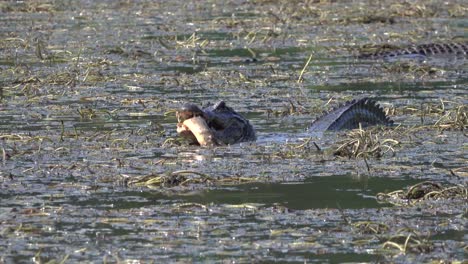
(88, 92)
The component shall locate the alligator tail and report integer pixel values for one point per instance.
(451, 49)
(364, 111)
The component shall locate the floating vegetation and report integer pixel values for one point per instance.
(30, 7)
(293, 108)
(455, 119)
(186, 177)
(446, 115)
(369, 227)
(408, 240)
(404, 240)
(192, 42)
(422, 192)
(411, 68)
(304, 149)
(460, 172)
(365, 144)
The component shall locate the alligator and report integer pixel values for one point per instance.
(221, 125)
(423, 51)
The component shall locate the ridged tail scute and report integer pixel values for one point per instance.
(364, 111)
(458, 49)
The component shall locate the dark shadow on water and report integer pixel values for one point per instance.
(344, 192)
(317, 192)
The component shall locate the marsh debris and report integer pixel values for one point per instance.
(412, 68)
(369, 227)
(423, 191)
(186, 177)
(455, 119)
(408, 240)
(365, 144)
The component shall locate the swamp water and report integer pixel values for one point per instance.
(87, 121)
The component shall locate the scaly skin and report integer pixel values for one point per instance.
(348, 116)
(452, 49)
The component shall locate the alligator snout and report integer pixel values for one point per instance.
(188, 111)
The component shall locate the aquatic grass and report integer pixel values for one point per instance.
(408, 240)
(299, 79)
(87, 113)
(455, 119)
(365, 144)
(305, 149)
(369, 227)
(11, 149)
(423, 111)
(192, 42)
(174, 142)
(30, 7)
(255, 36)
(411, 69)
(448, 115)
(457, 10)
(38, 259)
(184, 178)
(288, 110)
(385, 13)
(413, 10)
(45, 81)
(460, 172)
(23, 137)
(424, 191)
(185, 206)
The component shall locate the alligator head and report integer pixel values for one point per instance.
(214, 125)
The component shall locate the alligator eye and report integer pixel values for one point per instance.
(220, 105)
